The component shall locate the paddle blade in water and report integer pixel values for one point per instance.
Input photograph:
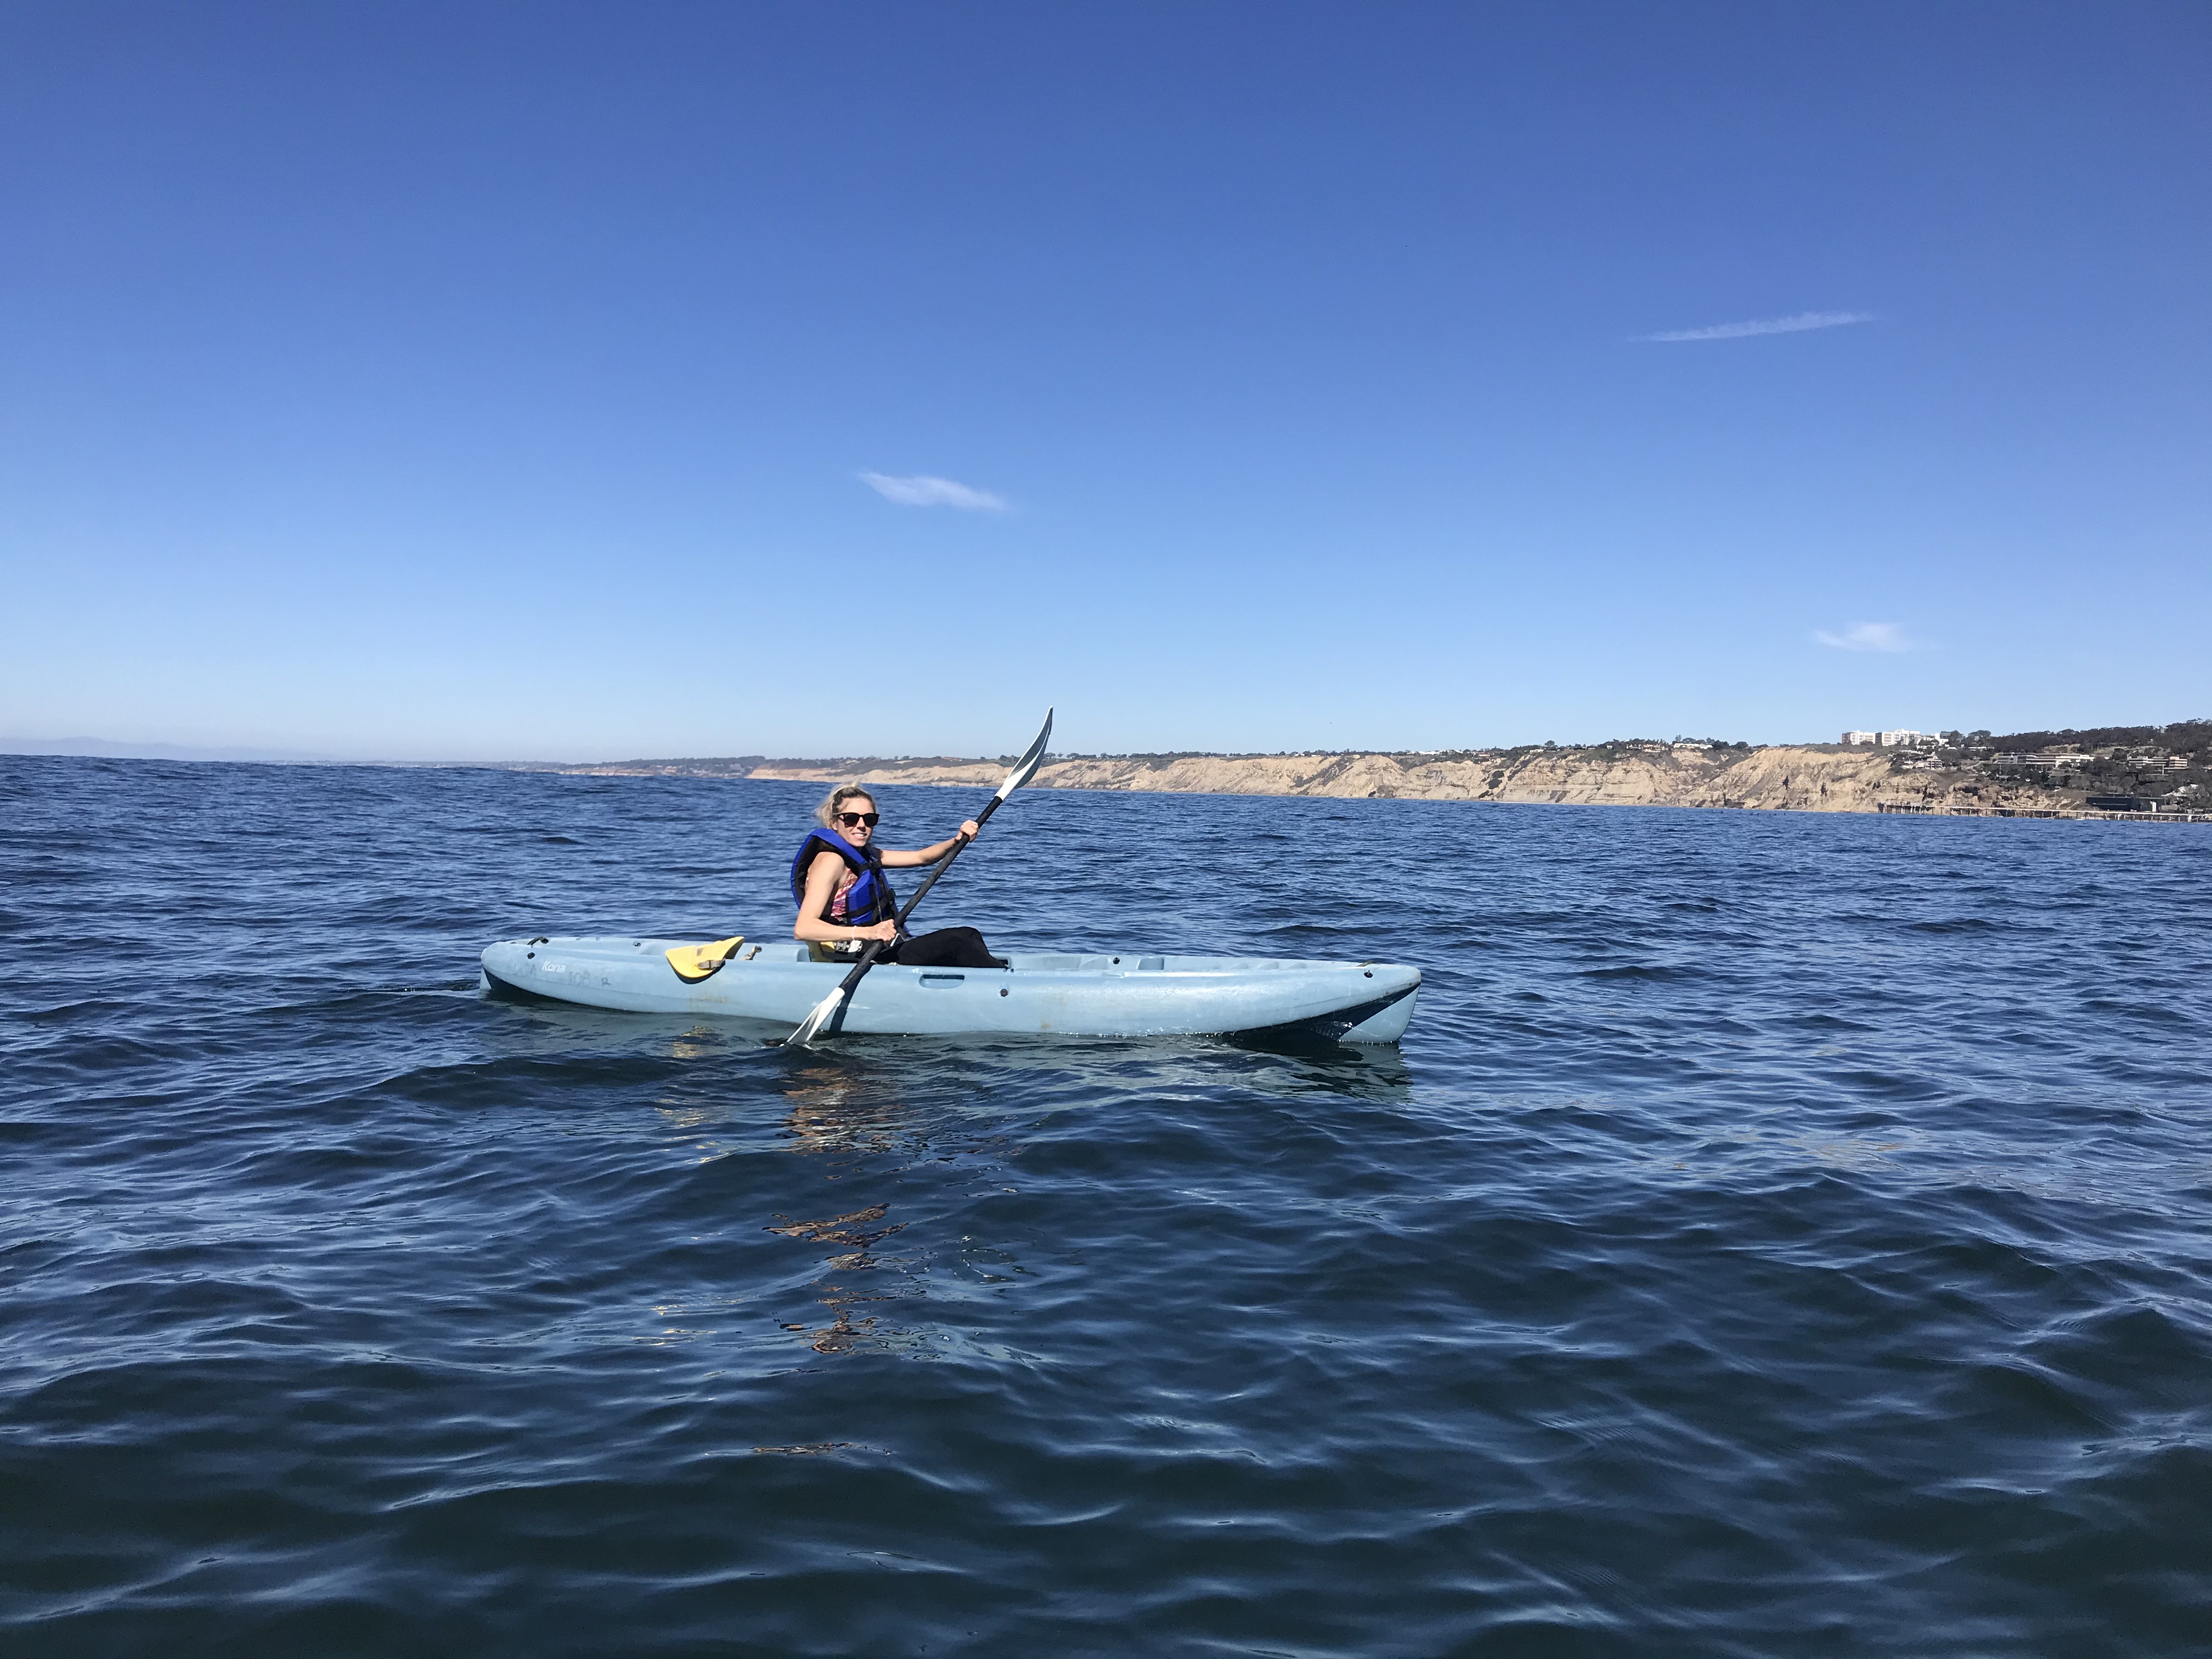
(817, 1017)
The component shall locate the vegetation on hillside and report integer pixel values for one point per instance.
(2191, 737)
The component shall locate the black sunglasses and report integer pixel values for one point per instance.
(848, 819)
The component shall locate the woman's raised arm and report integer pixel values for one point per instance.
(930, 855)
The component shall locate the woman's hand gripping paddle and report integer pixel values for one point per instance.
(826, 1012)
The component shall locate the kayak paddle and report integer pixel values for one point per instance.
(831, 1005)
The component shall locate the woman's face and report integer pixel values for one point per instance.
(850, 823)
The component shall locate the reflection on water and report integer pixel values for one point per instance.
(842, 1107)
(1378, 1076)
(698, 1043)
(885, 1109)
(847, 1113)
(843, 1230)
(845, 1332)
(883, 1112)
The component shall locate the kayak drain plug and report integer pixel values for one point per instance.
(1002, 990)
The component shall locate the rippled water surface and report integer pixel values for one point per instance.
(1779, 1234)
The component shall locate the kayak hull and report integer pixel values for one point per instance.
(1039, 994)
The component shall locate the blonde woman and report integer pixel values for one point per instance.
(845, 899)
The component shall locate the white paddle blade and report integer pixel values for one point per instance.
(817, 1017)
(1025, 769)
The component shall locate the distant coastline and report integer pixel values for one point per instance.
(110, 749)
(2130, 771)
(2165, 768)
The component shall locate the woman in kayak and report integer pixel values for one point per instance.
(845, 900)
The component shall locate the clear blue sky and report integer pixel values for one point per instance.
(500, 381)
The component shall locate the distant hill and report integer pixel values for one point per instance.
(2192, 737)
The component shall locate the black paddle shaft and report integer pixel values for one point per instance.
(875, 945)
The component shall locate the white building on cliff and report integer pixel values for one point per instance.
(1901, 739)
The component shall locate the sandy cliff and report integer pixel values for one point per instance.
(1813, 779)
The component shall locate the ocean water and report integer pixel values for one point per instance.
(1777, 1235)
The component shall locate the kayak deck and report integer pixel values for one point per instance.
(1040, 993)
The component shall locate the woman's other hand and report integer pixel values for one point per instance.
(886, 931)
(971, 829)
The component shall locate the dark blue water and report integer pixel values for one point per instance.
(1778, 1234)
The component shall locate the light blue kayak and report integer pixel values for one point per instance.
(1056, 995)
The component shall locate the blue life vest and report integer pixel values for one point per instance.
(869, 900)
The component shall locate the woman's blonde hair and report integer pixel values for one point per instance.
(834, 803)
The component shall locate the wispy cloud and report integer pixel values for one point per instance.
(1867, 636)
(1803, 320)
(922, 490)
